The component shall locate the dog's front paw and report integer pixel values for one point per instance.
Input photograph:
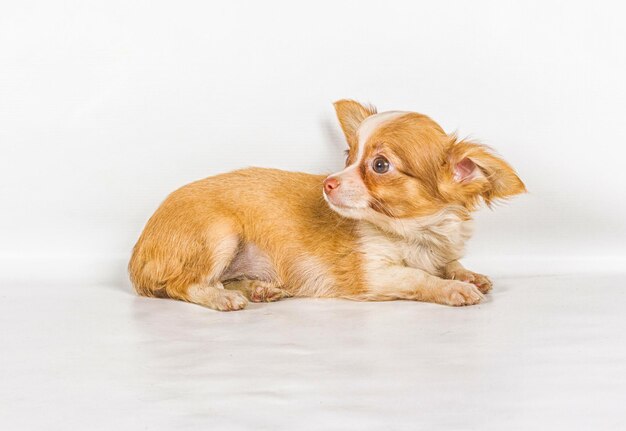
(458, 293)
(483, 282)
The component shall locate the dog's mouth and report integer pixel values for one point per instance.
(342, 205)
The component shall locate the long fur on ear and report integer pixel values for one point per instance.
(476, 171)
(351, 114)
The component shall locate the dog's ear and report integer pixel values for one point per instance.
(351, 114)
(476, 171)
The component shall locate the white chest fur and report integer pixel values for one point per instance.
(426, 243)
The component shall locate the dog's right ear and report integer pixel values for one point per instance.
(351, 114)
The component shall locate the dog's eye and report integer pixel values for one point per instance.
(380, 165)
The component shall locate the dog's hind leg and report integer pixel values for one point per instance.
(258, 290)
(180, 267)
(216, 297)
(209, 291)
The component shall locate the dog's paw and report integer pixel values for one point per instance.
(228, 300)
(264, 292)
(483, 282)
(459, 293)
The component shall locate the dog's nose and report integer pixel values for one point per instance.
(330, 184)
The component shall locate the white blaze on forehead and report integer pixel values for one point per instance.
(369, 126)
(353, 193)
(363, 133)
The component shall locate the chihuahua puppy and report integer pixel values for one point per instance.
(391, 225)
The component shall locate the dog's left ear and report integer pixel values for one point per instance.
(351, 114)
(477, 171)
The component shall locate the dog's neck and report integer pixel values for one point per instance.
(452, 224)
(427, 243)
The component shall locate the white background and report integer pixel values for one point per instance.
(106, 107)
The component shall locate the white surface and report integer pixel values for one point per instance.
(106, 107)
(544, 353)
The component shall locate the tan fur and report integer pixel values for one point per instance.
(264, 234)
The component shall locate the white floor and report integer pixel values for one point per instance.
(542, 353)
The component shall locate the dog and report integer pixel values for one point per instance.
(391, 225)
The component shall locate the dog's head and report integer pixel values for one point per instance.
(403, 165)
